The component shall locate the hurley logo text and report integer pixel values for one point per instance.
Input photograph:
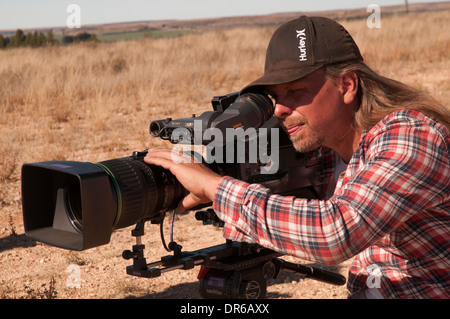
(302, 44)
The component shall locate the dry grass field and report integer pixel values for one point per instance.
(94, 101)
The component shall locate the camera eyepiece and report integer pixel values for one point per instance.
(157, 128)
(251, 109)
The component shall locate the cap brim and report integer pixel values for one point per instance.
(281, 77)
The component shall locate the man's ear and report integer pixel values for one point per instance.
(349, 87)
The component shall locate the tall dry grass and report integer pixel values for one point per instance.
(58, 101)
(94, 101)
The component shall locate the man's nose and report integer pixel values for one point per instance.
(282, 111)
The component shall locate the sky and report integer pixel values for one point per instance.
(29, 14)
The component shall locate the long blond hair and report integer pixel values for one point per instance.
(380, 96)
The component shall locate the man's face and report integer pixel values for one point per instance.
(309, 109)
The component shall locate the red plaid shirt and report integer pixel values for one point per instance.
(390, 209)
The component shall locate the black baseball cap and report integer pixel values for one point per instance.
(302, 46)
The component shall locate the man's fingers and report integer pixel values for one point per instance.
(158, 160)
(188, 202)
(176, 155)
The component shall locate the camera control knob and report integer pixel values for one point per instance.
(127, 254)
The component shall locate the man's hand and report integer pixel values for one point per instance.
(198, 179)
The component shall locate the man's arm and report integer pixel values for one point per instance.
(401, 168)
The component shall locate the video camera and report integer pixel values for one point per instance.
(77, 205)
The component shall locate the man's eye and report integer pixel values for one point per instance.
(294, 92)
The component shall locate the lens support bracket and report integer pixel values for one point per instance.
(240, 260)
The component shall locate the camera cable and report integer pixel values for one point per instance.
(161, 228)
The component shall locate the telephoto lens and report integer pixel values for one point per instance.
(77, 205)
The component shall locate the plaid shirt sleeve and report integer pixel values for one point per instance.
(392, 205)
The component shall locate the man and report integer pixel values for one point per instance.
(391, 206)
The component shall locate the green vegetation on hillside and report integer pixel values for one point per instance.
(39, 39)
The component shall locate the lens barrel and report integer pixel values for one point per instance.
(143, 191)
